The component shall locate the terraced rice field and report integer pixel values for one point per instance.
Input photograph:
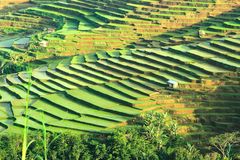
(205, 113)
(90, 93)
(134, 48)
(91, 26)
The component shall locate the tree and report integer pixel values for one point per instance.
(159, 128)
(189, 152)
(223, 143)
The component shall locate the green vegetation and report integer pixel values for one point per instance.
(122, 83)
(88, 26)
(150, 136)
(97, 67)
(25, 142)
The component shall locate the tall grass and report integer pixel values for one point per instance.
(45, 142)
(25, 143)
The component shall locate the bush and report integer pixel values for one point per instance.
(13, 68)
(10, 147)
(152, 136)
(224, 144)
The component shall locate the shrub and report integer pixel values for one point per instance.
(150, 136)
(224, 143)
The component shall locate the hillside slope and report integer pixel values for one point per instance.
(194, 43)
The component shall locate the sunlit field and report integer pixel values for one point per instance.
(110, 79)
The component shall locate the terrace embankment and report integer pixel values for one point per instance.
(204, 110)
(87, 26)
(138, 24)
(95, 92)
(89, 93)
(221, 25)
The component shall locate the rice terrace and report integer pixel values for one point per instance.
(120, 79)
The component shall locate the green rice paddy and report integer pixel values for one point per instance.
(133, 49)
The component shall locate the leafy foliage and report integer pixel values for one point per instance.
(224, 143)
(152, 136)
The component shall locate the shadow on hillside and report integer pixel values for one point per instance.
(219, 111)
(192, 31)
